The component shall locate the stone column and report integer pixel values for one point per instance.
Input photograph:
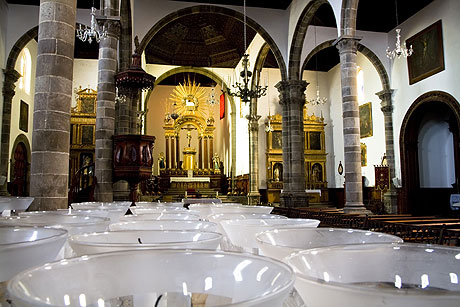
(390, 198)
(292, 99)
(52, 101)
(105, 114)
(253, 126)
(347, 46)
(11, 76)
(174, 163)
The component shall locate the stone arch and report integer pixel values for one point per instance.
(217, 79)
(258, 66)
(200, 9)
(409, 162)
(300, 32)
(348, 17)
(369, 54)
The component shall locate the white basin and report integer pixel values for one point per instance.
(14, 203)
(74, 224)
(160, 216)
(104, 242)
(241, 209)
(141, 276)
(144, 210)
(378, 275)
(280, 243)
(164, 225)
(25, 247)
(205, 209)
(148, 204)
(242, 233)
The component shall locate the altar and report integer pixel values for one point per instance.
(190, 182)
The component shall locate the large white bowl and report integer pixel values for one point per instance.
(164, 225)
(103, 242)
(14, 203)
(205, 209)
(74, 224)
(114, 210)
(160, 216)
(242, 233)
(25, 247)
(241, 209)
(148, 204)
(220, 278)
(144, 210)
(280, 243)
(378, 275)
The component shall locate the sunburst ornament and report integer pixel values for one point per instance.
(189, 99)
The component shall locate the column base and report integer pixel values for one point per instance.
(4, 190)
(390, 202)
(356, 208)
(253, 198)
(294, 199)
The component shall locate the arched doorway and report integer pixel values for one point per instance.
(429, 160)
(19, 171)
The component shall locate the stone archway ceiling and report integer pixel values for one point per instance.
(199, 40)
(326, 59)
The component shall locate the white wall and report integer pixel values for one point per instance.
(447, 80)
(84, 76)
(436, 152)
(28, 98)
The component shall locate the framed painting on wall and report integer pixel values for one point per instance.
(428, 56)
(365, 120)
(363, 154)
(24, 116)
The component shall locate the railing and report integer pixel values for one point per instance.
(82, 185)
(409, 233)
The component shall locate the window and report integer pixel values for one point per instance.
(360, 85)
(25, 69)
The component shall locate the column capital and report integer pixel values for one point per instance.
(347, 43)
(292, 91)
(111, 24)
(11, 76)
(386, 97)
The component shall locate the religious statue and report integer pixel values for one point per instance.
(215, 161)
(161, 161)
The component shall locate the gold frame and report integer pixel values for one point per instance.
(365, 120)
(363, 154)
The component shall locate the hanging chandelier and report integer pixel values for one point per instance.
(94, 32)
(212, 97)
(242, 88)
(400, 50)
(318, 100)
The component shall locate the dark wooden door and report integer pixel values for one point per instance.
(20, 171)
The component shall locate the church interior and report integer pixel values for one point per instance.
(343, 111)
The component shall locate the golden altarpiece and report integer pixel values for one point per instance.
(83, 130)
(183, 167)
(315, 158)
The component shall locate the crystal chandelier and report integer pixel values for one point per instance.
(241, 88)
(400, 50)
(94, 32)
(318, 100)
(212, 96)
